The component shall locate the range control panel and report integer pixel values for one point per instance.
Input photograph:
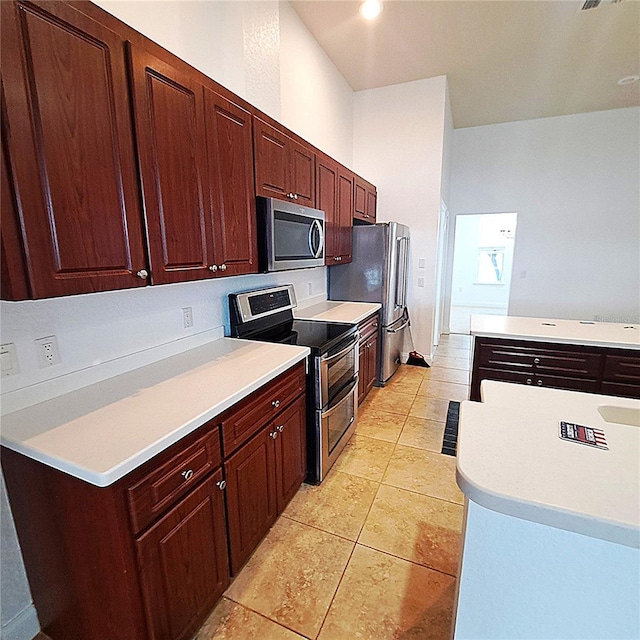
(269, 301)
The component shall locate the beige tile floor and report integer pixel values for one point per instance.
(372, 552)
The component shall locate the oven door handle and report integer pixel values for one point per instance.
(329, 359)
(316, 226)
(343, 398)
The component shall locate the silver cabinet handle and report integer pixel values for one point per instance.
(539, 382)
(536, 361)
(213, 267)
(221, 484)
(143, 273)
(528, 380)
(188, 474)
(223, 267)
(295, 196)
(273, 435)
(280, 428)
(275, 403)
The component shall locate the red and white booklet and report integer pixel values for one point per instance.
(583, 435)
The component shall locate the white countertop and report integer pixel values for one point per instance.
(511, 460)
(102, 432)
(602, 334)
(335, 311)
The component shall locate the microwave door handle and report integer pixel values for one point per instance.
(316, 227)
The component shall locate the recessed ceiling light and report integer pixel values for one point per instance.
(370, 9)
(623, 82)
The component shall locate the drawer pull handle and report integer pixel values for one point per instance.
(536, 361)
(223, 267)
(280, 428)
(539, 383)
(188, 474)
(221, 484)
(143, 273)
(273, 435)
(275, 403)
(213, 267)
(528, 380)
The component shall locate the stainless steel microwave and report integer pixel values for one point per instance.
(290, 236)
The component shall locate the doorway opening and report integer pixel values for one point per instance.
(482, 264)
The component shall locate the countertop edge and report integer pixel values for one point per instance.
(105, 479)
(595, 528)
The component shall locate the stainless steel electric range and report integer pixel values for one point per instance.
(332, 378)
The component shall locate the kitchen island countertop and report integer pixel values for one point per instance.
(512, 460)
(582, 332)
(103, 431)
(336, 311)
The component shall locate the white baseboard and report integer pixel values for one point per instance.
(24, 626)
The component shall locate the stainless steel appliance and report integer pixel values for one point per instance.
(290, 236)
(332, 378)
(378, 273)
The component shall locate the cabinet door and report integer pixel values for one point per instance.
(372, 358)
(345, 214)
(169, 112)
(233, 202)
(362, 372)
(290, 445)
(251, 496)
(271, 157)
(183, 563)
(70, 148)
(14, 284)
(302, 167)
(326, 194)
(360, 199)
(372, 199)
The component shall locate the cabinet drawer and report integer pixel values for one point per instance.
(163, 486)
(620, 390)
(622, 369)
(539, 358)
(368, 326)
(245, 418)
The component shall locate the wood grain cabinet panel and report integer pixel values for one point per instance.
(183, 563)
(169, 112)
(585, 368)
(334, 196)
(368, 352)
(232, 195)
(365, 200)
(291, 452)
(69, 137)
(285, 169)
(251, 496)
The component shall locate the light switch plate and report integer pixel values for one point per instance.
(9, 359)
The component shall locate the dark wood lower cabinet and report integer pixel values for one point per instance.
(368, 354)
(262, 476)
(183, 562)
(590, 369)
(147, 557)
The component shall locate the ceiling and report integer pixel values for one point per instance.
(505, 60)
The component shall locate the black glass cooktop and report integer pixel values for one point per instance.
(319, 336)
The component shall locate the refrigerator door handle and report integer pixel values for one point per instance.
(401, 273)
(400, 328)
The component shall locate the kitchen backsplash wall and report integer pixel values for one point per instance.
(103, 334)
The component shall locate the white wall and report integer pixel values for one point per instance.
(574, 182)
(399, 146)
(317, 102)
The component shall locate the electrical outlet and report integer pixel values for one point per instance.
(187, 317)
(48, 352)
(421, 282)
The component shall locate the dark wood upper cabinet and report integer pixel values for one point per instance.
(285, 169)
(169, 115)
(365, 201)
(70, 150)
(334, 195)
(232, 190)
(345, 213)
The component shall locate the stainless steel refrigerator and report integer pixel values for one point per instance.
(378, 273)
